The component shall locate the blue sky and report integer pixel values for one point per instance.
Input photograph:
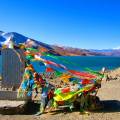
(77, 23)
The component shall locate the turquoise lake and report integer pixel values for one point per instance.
(81, 62)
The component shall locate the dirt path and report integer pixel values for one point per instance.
(109, 94)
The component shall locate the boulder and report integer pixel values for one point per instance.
(12, 107)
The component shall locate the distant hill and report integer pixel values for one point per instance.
(69, 51)
(108, 52)
(18, 39)
(57, 50)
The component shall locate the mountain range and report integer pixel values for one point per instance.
(54, 49)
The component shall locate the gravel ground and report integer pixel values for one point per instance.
(109, 94)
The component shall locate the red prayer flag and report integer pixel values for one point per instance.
(85, 81)
(82, 74)
(49, 69)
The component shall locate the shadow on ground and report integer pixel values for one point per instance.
(32, 108)
(109, 106)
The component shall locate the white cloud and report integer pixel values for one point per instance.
(117, 47)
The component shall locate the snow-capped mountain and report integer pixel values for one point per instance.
(16, 38)
(101, 50)
(2, 39)
(1, 32)
(107, 52)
